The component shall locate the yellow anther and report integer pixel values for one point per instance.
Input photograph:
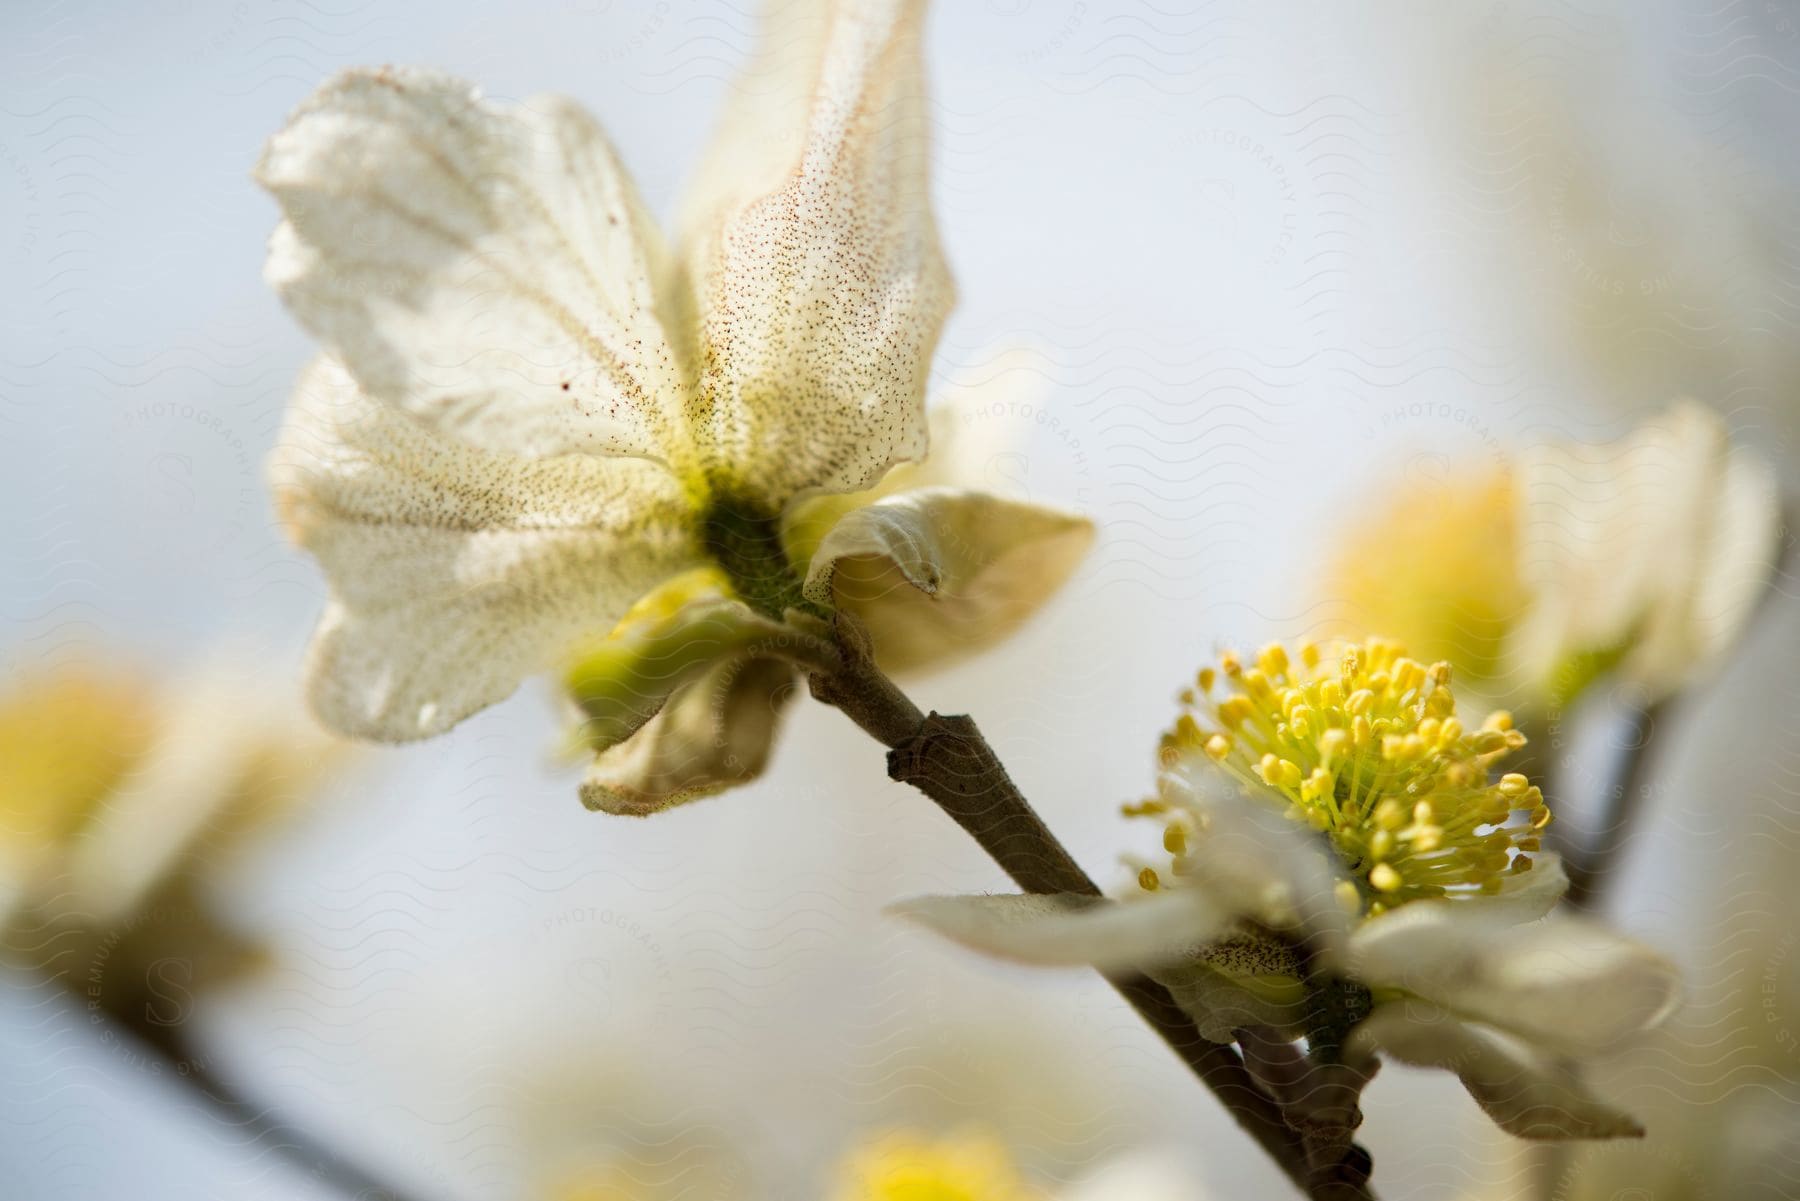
(1256, 686)
(1488, 741)
(1347, 896)
(1363, 745)
(1499, 719)
(1234, 711)
(1148, 881)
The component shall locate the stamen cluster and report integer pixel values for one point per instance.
(1365, 747)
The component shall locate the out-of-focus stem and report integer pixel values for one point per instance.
(1591, 867)
(224, 1104)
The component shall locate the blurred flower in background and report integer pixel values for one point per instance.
(970, 1165)
(119, 797)
(1639, 560)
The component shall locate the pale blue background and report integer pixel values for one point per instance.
(1271, 255)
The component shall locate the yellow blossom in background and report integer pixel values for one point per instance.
(906, 1166)
(542, 432)
(1641, 559)
(1436, 566)
(68, 736)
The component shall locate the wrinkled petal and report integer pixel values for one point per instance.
(971, 444)
(1651, 550)
(456, 572)
(939, 572)
(490, 269)
(1527, 1093)
(816, 271)
(1566, 984)
(714, 733)
(1070, 930)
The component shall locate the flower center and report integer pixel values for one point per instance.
(744, 538)
(1366, 748)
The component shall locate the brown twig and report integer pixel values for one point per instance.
(948, 760)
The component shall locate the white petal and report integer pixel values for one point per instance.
(457, 572)
(981, 424)
(1567, 984)
(714, 733)
(489, 269)
(936, 573)
(1069, 930)
(815, 264)
(1738, 555)
(1524, 896)
(1255, 862)
(1654, 548)
(1528, 1093)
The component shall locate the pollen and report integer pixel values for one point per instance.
(1362, 743)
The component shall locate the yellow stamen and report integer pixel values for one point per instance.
(1364, 745)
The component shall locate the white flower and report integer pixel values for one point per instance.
(537, 421)
(1363, 837)
(1641, 558)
